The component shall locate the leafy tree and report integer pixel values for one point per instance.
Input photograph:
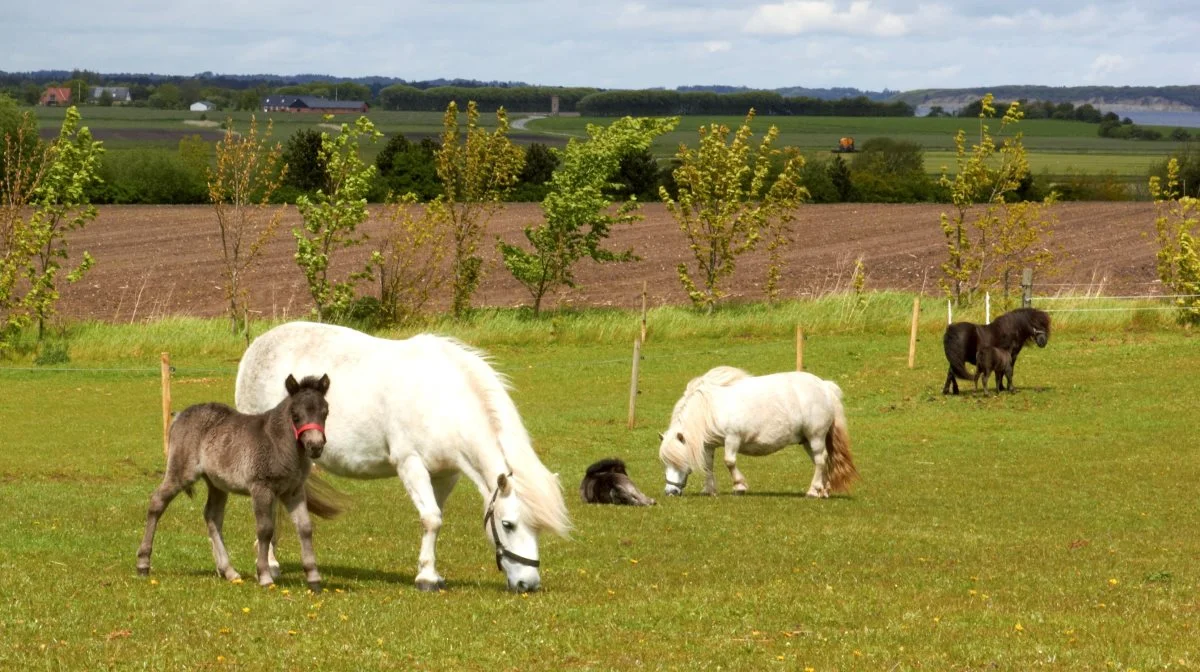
(306, 167)
(890, 171)
(239, 187)
(17, 126)
(1187, 160)
(576, 213)
(409, 264)
(405, 167)
(1176, 224)
(843, 182)
(984, 244)
(332, 215)
(476, 172)
(533, 180)
(726, 206)
(43, 196)
(637, 176)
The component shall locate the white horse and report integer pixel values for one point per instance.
(757, 415)
(427, 409)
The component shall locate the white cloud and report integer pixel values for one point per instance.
(717, 46)
(1105, 65)
(795, 17)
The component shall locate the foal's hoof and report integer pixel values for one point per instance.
(143, 571)
(427, 586)
(315, 586)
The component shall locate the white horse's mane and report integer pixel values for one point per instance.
(693, 417)
(536, 486)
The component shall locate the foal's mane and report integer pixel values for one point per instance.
(693, 417)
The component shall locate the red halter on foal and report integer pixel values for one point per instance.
(304, 428)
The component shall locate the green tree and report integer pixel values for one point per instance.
(247, 173)
(885, 170)
(577, 217)
(843, 182)
(477, 169)
(43, 196)
(1176, 224)
(727, 205)
(302, 154)
(409, 263)
(406, 167)
(332, 215)
(533, 182)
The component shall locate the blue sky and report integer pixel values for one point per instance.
(897, 44)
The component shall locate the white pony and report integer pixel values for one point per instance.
(757, 415)
(428, 409)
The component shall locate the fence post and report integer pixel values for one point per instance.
(912, 335)
(633, 383)
(643, 311)
(949, 313)
(987, 308)
(166, 401)
(799, 348)
(1027, 288)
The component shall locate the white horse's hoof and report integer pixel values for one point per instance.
(431, 585)
(740, 489)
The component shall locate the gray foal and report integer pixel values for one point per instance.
(265, 456)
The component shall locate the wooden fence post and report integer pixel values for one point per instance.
(912, 334)
(1027, 288)
(166, 401)
(987, 308)
(949, 313)
(643, 311)
(633, 383)
(799, 348)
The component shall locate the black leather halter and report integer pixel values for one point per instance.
(489, 520)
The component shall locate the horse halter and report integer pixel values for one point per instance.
(677, 485)
(304, 428)
(501, 551)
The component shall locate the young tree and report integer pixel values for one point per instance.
(247, 173)
(409, 263)
(332, 215)
(1176, 224)
(476, 172)
(576, 210)
(727, 204)
(43, 196)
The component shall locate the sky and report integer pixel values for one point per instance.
(870, 45)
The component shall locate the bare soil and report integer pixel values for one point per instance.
(153, 261)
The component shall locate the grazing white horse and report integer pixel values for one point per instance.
(428, 409)
(757, 415)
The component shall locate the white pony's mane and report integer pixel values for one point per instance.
(535, 485)
(693, 417)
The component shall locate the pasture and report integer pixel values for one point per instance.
(1055, 147)
(1053, 528)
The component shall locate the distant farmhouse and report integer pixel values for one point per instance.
(55, 95)
(118, 94)
(203, 106)
(312, 104)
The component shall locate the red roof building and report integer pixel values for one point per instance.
(56, 95)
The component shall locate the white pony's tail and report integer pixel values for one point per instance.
(537, 487)
(842, 472)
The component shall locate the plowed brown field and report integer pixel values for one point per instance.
(161, 260)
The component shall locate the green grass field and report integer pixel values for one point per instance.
(1055, 147)
(1053, 528)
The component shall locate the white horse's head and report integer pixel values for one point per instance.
(514, 538)
(673, 451)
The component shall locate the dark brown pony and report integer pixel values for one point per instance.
(607, 482)
(266, 456)
(1011, 331)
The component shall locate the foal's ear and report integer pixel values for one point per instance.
(323, 384)
(291, 385)
(503, 485)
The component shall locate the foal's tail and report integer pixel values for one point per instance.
(323, 500)
(840, 462)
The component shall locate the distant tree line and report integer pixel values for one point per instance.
(649, 102)
(1111, 124)
(488, 98)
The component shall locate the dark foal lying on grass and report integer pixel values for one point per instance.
(607, 482)
(991, 359)
(265, 456)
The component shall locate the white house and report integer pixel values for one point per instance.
(203, 106)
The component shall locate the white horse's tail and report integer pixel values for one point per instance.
(536, 486)
(842, 471)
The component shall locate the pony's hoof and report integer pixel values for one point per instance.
(143, 571)
(274, 570)
(427, 586)
(315, 587)
(739, 489)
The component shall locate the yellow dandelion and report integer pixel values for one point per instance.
(285, 592)
(379, 642)
(780, 657)
(271, 587)
(972, 592)
(1113, 582)
(633, 561)
(1019, 628)
(312, 615)
(343, 617)
(224, 631)
(612, 592)
(809, 669)
(292, 632)
(245, 610)
(339, 591)
(237, 582)
(220, 659)
(154, 582)
(857, 653)
(937, 619)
